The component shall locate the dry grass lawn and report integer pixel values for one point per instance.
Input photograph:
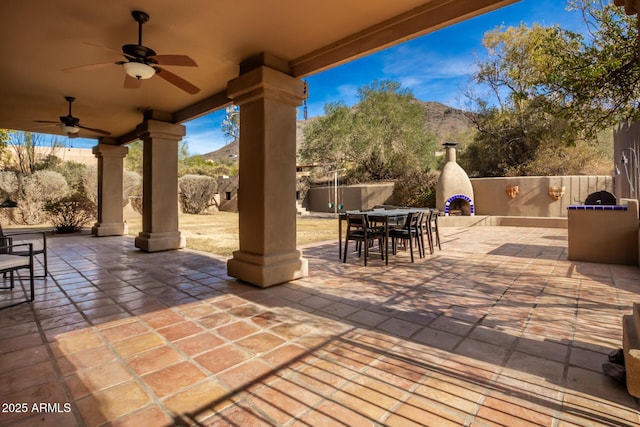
(218, 233)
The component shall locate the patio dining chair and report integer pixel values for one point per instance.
(38, 241)
(360, 231)
(408, 233)
(433, 227)
(10, 263)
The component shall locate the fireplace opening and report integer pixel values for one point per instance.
(459, 205)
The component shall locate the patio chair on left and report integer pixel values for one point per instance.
(10, 264)
(38, 241)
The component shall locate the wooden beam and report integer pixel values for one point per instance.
(424, 19)
(207, 105)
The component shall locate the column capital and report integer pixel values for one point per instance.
(266, 83)
(160, 129)
(109, 150)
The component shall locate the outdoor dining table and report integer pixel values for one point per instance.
(387, 217)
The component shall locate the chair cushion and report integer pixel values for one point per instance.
(8, 262)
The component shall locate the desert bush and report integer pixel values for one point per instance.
(416, 188)
(90, 183)
(9, 185)
(35, 190)
(196, 193)
(70, 213)
(132, 190)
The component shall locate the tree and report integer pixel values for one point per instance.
(25, 149)
(380, 138)
(598, 81)
(231, 123)
(553, 91)
(133, 160)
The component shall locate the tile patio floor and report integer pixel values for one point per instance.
(496, 329)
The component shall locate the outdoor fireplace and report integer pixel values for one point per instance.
(454, 193)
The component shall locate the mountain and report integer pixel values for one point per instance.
(448, 124)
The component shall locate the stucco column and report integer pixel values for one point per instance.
(160, 186)
(110, 172)
(267, 186)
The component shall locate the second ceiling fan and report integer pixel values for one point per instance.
(143, 62)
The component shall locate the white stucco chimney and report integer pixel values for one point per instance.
(453, 184)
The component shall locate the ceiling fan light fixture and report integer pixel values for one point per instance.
(69, 129)
(139, 70)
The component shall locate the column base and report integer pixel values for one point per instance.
(109, 229)
(267, 270)
(155, 242)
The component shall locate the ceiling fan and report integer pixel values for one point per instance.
(143, 63)
(71, 125)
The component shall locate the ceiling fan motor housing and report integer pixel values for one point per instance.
(139, 53)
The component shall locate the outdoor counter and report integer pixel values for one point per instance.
(605, 234)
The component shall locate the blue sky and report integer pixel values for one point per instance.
(436, 67)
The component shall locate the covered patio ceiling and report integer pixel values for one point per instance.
(40, 39)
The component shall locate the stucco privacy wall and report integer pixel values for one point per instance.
(533, 199)
(352, 197)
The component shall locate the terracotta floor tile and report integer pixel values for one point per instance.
(437, 338)
(482, 351)
(291, 331)
(500, 410)
(418, 412)
(238, 415)
(24, 357)
(48, 392)
(15, 380)
(197, 311)
(372, 398)
(114, 402)
(74, 342)
(179, 330)
(149, 416)
(283, 400)
(236, 330)
(288, 355)
(200, 401)
(330, 413)
(85, 359)
(97, 378)
(174, 378)
(162, 318)
(323, 376)
(200, 343)
(215, 320)
(222, 358)
(248, 376)
(137, 344)
(500, 330)
(122, 331)
(260, 342)
(154, 359)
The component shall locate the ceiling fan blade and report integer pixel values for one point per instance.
(181, 60)
(117, 52)
(47, 121)
(177, 81)
(90, 67)
(131, 82)
(100, 131)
